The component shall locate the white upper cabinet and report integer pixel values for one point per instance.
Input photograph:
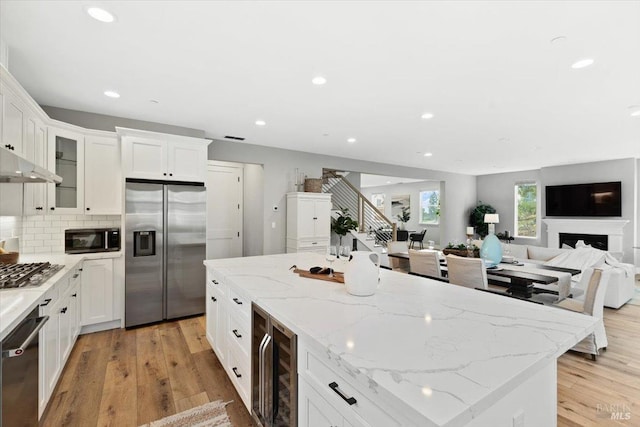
(35, 194)
(152, 155)
(102, 176)
(66, 158)
(14, 115)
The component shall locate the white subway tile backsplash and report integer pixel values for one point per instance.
(45, 233)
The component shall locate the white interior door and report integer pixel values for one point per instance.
(224, 210)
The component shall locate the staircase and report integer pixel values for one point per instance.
(374, 228)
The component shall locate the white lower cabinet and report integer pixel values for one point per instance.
(216, 317)
(314, 410)
(57, 337)
(97, 292)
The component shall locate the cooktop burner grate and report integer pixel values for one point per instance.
(26, 274)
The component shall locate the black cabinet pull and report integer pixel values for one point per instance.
(63, 310)
(235, 371)
(52, 208)
(235, 332)
(88, 209)
(214, 299)
(350, 400)
(74, 295)
(164, 173)
(46, 302)
(315, 217)
(38, 208)
(79, 269)
(170, 174)
(215, 282)
(237, 301)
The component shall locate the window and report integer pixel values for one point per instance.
(526, 209)
(430, 207)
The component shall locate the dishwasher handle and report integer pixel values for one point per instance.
(19, 351)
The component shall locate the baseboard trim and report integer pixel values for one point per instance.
(99, 327)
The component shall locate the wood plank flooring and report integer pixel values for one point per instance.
(128, 378)
(131, 377)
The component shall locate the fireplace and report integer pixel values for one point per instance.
(598, 241)
(610, 228)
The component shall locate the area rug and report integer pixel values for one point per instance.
(212, 414)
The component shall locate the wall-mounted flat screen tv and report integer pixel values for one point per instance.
(598, 199)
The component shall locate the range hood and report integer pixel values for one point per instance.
(16, 169)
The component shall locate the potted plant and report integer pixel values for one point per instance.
(476, 218)
(343, 224)
(404, 216)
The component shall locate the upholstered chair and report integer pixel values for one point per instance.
(425, 262)
(595, 282)
(397, 247)
(468, 272)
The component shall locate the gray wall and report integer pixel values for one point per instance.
(497, 190)
(253, 225)
(413, 189)
(109, 123)
(279, 166)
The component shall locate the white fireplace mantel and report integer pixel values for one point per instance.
(610, 227)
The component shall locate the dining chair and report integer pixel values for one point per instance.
(468, 272)
(396, 247)
(595, 281)
(417, 238)
(425, 262)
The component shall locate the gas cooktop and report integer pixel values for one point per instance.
(26, 274)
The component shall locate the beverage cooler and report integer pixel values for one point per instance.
(273, 372)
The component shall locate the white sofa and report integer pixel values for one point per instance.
(621, 283)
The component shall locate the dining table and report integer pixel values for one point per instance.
(520, 279)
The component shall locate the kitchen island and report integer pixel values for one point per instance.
(418, 352)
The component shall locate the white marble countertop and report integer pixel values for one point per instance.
(439, 353)
(16, 303)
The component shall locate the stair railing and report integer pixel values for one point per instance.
(370, 219)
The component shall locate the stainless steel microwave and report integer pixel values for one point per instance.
(85, 240)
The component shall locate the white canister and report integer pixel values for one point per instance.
(362, 273)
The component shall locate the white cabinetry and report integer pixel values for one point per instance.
(59, 334)
(97, 292)
(229, 333)
(66, 159)
(151, 155)
(308, 222)
(216, 317)
(102, 176)
(35, 194)
(14, 116)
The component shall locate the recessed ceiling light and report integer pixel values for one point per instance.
(427, 116)
(100, 14)
(635, 113)
(428, 154)
(111, 94)
(583, 63)
(351, 140)
(634, 110)
(318, 80)
(260, 123)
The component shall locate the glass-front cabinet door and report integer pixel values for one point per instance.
(66, 158)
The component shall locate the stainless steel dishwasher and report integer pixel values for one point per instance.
(19, 391)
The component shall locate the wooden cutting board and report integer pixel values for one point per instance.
(337, 276)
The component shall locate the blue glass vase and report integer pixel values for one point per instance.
(491, 251)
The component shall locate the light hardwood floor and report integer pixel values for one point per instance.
(131, 377)
(128, 378)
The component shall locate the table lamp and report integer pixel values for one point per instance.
(491, 250)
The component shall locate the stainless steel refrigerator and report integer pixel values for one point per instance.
(164, 249)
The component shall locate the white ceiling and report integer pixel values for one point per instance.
(504, 97)
(367, 180)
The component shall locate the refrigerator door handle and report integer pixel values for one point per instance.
(261, 374)
(265, 391)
